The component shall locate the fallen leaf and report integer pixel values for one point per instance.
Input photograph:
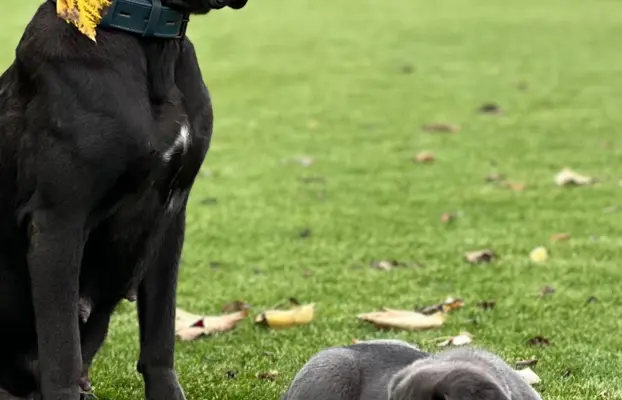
(448, 217)
(209, 200)
(83, 14)
(236, 305)
(231, 374)
(480, 256)
(495, 177)
(559, 237)
(539, 341)
(487, 304)
(312, 179)
(446, 306)
(307, 273)
(539, 255)
(592, 299)
(299, 315)
(269, 375)
(191, 326)
(441, 128)
(567, 374)
(424, 157)
(522, 85)
(312, 124)
(408, 69)
(567, 177)
(305, 161)
(490, 108)
(387, 265)
(546, 290)
(305, 233)
(462, 339)
(526, 363)
(407, 320)
(529, 376)
(515, 186)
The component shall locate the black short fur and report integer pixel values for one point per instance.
(91, 209)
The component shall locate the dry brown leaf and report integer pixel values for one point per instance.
(490, 108)
(401, 319)
(495, 177)
(450, 304)
(539, 341)
(300, 315)
(567, 177)
(190, 326)
(559, 237)
(387, 265)
(515, 186)
(448, 217)
(526, 363)
(305, 161)
(547, 290)
(480, 256)
(441, 128)
(424, 157)
(527, 375)
(487, 304)
(268, 375)
(461, 339)
(236, 305)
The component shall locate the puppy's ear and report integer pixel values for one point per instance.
(237, 4)
(471, 384)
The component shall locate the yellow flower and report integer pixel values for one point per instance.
(84, 14)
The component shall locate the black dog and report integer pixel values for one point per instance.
(100, 144)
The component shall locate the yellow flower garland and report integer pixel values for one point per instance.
(84, 14)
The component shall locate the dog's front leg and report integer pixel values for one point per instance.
(54, 259)
(156, 314)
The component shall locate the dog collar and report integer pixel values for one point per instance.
(148, 18)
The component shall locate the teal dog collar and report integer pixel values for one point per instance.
(148, 18)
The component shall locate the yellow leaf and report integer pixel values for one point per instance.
(539, 254)
(286, 318)
(401, 319)
(84, 14)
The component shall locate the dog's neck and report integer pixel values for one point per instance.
(147, 18)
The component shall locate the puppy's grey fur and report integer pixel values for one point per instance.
(396, 370)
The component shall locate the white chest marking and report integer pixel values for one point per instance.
(182, 142)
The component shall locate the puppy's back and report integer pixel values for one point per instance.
(360, 371)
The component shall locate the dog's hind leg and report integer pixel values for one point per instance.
(156, 315)
(93, 335)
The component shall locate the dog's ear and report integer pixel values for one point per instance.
(470, 384)
(237, 4)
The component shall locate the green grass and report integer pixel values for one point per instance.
(325, 79)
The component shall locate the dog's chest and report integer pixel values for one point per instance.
(181, 143)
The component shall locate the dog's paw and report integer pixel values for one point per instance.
(162, 385)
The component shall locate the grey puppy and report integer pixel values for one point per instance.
(396, 370)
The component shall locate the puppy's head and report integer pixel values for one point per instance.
(444, 381)
(203, 6)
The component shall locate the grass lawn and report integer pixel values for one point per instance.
(349, 84)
